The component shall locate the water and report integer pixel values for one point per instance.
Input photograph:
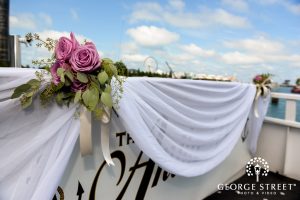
(278, 110)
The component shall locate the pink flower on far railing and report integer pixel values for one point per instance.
(258, 78)
(53, 71)
(85, 58)
(65, 47)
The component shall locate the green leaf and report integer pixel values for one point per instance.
(114, 69)
(62, 78)
(98, 113)
(29, 94)
(60, 71)
(34, 83)
(107, 65)
(102, 77)
(59, 98)
(77, 96)
(70, 75)
(106, 99)
(20, 90)
(67, 82)
(107, 89)
(82, 77)
(26, 102)
(90, 98)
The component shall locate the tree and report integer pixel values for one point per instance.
(4, 33)
(122, 69)
(298, 81)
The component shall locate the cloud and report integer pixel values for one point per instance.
(240, 5)
(237, 58)
(152, 36)
(294, 8)
(177, 4)
(146, 11)
(261, 45)
(154, 12)
(129, 47)
(30, 22)
(74, 14)
(140, 58)
(195, 50)
(23, 21)
(46, 19)
(223, 17)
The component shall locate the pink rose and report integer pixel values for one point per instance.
(65, 47)
(258, 78)
(85, 58)
(53, 71)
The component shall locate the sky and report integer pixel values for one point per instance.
(221, 37)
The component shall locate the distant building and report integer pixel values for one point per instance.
(286, 83)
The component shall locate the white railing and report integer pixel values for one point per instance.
(290, 110)
(279, 141)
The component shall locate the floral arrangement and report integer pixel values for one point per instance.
(77, 75)
(263, 85)
(262, 78)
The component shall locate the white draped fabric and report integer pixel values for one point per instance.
(187, 127)
(35, 144)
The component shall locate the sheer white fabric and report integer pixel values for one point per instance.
(187, 127)
(35, 144)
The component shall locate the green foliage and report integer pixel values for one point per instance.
(298, 81)
(122, 69)
(102, 77)
(106, 99)
(95, 92)
(21, 90)
(77, 96)
(82, 77)
(138, 73)
(90, 98)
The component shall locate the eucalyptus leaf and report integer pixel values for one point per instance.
(59, 98)
(26, 102)
(62, 78)
(106, 99)
(77, 96)
(20, 90)
(29, 94)
(69, 74)
(102, 77)
(67, 82)
(34, 83)
(107, 89)
(114, 69)
(82, 77)
(98, 112)
(90, 98)
(60, 71)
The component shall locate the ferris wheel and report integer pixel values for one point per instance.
(150, 64)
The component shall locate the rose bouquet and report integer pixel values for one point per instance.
(74, 74)
(262, 78)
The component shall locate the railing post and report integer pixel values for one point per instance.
(290, 110)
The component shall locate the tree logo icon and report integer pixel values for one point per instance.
(257, 166)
